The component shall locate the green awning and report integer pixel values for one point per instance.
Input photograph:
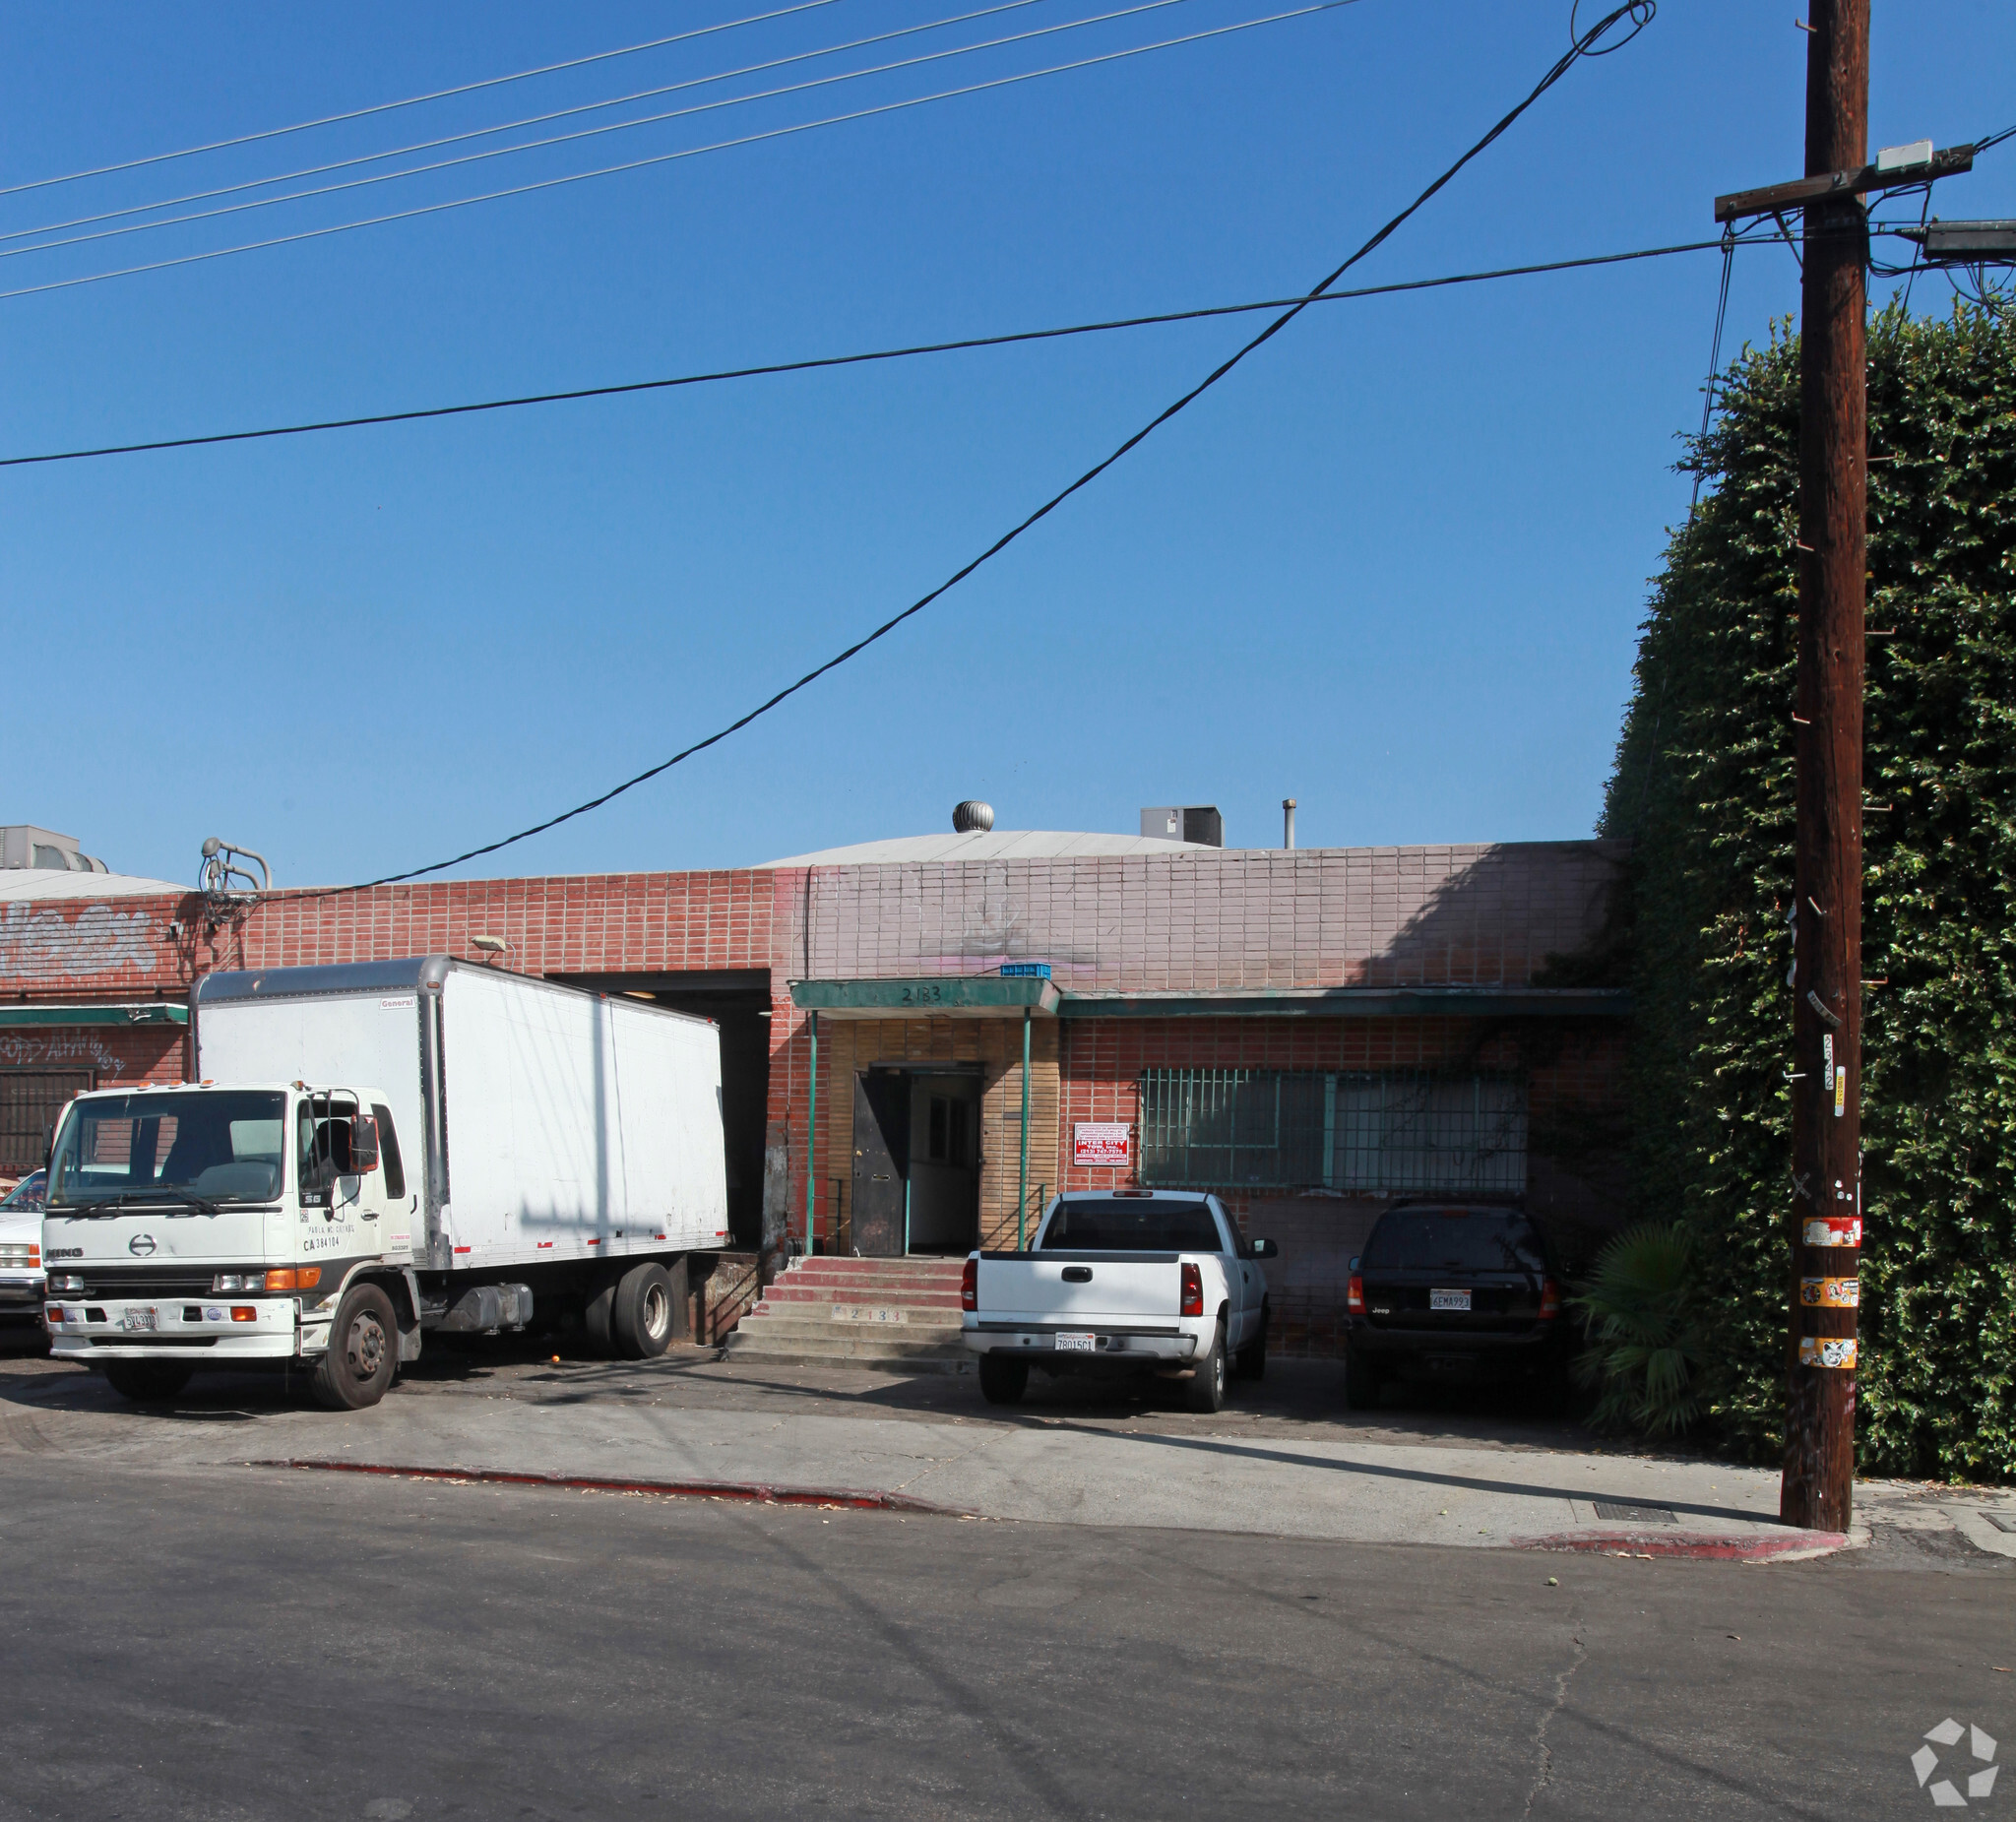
(956, 996)
(127, 1012)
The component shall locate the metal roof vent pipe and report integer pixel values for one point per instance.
(971, 817)
(1287, 822)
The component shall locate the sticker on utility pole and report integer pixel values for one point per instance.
(1827, 1351)
(1102, 1145)
(1841, 1090)
(1834, 1230)
(1831, 1292)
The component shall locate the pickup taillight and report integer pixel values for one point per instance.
(1549, 1299)
(969, 1286)
(1355, 1295)
(1193, 1293)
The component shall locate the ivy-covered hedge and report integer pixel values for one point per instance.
(1703, 784)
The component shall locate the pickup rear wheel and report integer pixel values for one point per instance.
(1205, 1388)
(145, 1381)
(1003, 1378)
(641, 1317)
(1253, 1355)
(363, 1352)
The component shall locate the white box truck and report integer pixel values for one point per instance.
(375, 1150)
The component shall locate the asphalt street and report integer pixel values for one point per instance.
(226, 1641)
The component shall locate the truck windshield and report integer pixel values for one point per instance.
(222, 1147)
(1087, 1225)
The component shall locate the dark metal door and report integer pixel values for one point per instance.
(881, 1162)
(30, 1102)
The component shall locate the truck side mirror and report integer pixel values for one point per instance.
(363, 1144)
(1266, 1249)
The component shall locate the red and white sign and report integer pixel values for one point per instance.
(1102, 1144)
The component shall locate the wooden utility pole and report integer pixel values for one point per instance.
(1817, 1491)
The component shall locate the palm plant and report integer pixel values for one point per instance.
(1646, 1340)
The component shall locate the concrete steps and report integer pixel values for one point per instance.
(892, 1316)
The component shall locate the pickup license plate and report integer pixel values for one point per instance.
(140, 1321)
(1077, 1343)
(1448, 1299)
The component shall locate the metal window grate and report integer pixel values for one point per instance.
(1393, 1133)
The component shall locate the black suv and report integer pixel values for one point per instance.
(1455, 1290)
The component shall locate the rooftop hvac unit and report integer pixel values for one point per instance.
(1195, 822)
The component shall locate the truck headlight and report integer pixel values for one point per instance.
(72, 1282)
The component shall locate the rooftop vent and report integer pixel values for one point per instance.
(1196, 822)
(22, 845)
(971, 817)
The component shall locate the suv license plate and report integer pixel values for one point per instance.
(1077, 1343)
(140, 1321)
(1448, 1299)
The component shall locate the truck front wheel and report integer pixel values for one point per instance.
(1003, 1378)
(641, 1318)
(1206, 1390)
(363, 1352)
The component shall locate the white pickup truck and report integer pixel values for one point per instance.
(1117, 1282)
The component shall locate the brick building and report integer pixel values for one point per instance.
(1311, 1033)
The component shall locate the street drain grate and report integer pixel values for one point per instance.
(2001, 1521)
(1619, 1512)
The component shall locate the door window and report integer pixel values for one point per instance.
(388, 1152)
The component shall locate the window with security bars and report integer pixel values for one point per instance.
(1396, 1132)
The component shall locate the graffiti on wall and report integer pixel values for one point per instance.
(41, 941)
(59, 1050)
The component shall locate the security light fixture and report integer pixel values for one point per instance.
(490, 945)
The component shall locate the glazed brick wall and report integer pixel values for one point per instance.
(1475, 915)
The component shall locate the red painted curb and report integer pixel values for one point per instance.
(669, 1489)
(1710, 1545)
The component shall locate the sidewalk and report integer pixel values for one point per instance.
(1284, 1460)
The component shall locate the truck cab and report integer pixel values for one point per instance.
(197, 1225)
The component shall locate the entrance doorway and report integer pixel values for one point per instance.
(917, 1177)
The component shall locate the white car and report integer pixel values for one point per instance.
(1122, 1281)
(21, 1281)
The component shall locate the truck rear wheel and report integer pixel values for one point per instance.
(597, 1318)
(145, 1381)
(1003, 1378)
(1205, 1391)
(641, 1317)
(363, 1352)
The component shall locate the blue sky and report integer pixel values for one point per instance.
(1393, 567)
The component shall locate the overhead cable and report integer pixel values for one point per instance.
(1639, 12)
(668, 157)
(816, 362)
(512, 126)
(414, 100)
(568, 139)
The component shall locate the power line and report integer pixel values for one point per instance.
(818, 362)
(412, 101)
(568, 139)
(1639, 12)
(668, 157)
(511, 126)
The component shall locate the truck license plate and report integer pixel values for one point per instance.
(1448, 1299)
(140, 1321)
(1077, 1343)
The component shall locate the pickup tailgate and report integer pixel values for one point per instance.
(1087, 1288)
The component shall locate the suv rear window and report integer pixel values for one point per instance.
(1454, 1239)
(1132, 1227)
